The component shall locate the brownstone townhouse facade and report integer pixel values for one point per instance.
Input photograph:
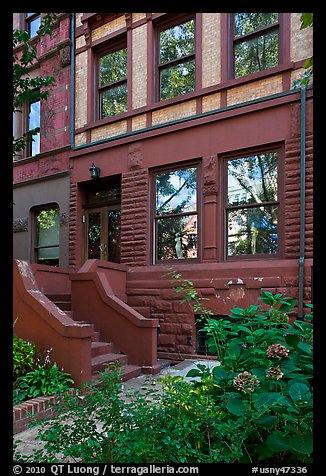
(183, 144)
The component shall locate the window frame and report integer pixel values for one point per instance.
(248, 36)
(29, 18)
(170, 22)
(29, 145)
(279, 203)
(154, 217)
(116, 45)
(35, 247)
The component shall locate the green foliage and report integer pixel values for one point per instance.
(265, 377)
(25, 87)
(24, 356)
(255, 406)
(34, 373)
(42, 381)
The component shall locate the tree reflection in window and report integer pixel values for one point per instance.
(256, 39)
(47, 236)
(252, 205)
(176, 214)
(113, 83)
(177, 60)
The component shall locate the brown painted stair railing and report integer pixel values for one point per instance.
(83, 319)
(102, 353)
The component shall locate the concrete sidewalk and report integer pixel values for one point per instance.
(27, 438)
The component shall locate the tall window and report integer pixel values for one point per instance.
(176, 214)
(252, 205)
(33, 22)
(46, 246)
(255, 42)
(34, 121)
(177, 60)
(112, 83)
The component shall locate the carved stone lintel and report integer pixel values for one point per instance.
(135, 156)
(20, 224)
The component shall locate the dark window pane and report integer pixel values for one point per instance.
(249, 22)
(113, 101)
(94, 235)
(114, 223)
(111, 194)
(177, 41)
(252, 230)
(113, 67)
(256, 54)
(176, 191)
(177, 237)
(252, 179)
(178, 79)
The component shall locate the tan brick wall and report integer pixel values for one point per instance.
(81, 90)
(109, 130)
(211, 57)
(210, 102)
(80, 41)
(80, 139)
(137, 16)
(138, 122)
(78, 19)
(139, 66)
(301, 40)
(108, 28)
(254, 90)
(171, 113)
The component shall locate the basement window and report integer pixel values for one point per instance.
(46, 248)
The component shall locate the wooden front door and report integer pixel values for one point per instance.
(102, 237)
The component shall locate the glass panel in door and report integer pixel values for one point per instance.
(113, 244)
(94, 235)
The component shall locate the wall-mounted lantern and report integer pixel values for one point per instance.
(95, 171)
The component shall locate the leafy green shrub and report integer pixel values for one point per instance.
(24, 356)
(34, 373)
(42, 381)
(256, 406)
(265, 378)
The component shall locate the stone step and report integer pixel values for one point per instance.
(95, 336)
(129, 371)
(101, 348)
(101, 361)
(63, 305)
(58, 297)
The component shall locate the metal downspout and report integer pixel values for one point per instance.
(72, 80)
(302, 200)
